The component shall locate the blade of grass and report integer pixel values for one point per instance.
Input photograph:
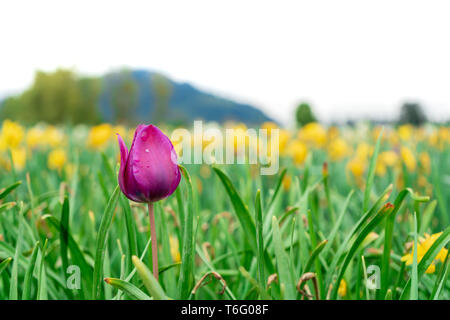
(379, 217)
(441, 279)
(186, 280)
(13, 289)
(285, 275)
(149, 280)
(260, 241)
(356, 229)
(128, 288)
(388, 235)
(101, 243)
(427, 259)
(414, 295)
(371, 173)
(26, 292)
(9, 189)
(42, 275)
(4, 264)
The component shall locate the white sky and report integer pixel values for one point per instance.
(348, 58)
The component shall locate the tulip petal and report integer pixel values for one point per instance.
(153, 164)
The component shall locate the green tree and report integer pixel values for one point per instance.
(412, 113)
(162, 90)
(304, 114)
(124, 97)
(55, 97)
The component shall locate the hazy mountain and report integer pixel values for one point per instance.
(185, 102)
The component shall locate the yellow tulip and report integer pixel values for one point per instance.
(408, 159)
(298, 151)
(11, 134)
(100, 135)
(19, 157)
(423, 246)
(338, 149)
(342, 290)
(314, 134)
(56, 159)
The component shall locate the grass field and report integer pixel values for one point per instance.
(347, 205)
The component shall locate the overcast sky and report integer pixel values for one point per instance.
(348, 58)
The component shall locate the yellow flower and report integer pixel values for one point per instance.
(287, 181)
(313, 133)
(35, 137)
(338, 149)
(269, 126)
(56, 159)
(405, 132)
(53, 137)
(333, 133)
(284, 137)
(380, 169)
(423, 246)
(19, 157)
(389, 158)
(356, 167)
(425, 161)
(408, 159)
(174, 251)
(11, 134)
(363, 151)
(298, 151)
(342, 290)
(100, 135)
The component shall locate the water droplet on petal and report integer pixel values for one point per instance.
(146, 150)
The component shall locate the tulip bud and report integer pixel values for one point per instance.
(148, 171)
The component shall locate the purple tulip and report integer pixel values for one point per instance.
(149, 171)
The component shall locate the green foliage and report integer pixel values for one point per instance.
(412, 113)
(304, 114)
(55, 97)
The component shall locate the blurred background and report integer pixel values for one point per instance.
(123, 62)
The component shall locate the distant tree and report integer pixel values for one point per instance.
(304, 114)
(412, 113)
(162, 90)
(55, 97)
(124, 96)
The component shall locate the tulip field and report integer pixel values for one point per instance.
(339, 220)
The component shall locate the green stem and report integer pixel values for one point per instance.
(151, 214)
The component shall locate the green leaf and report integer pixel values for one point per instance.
(441, 279)
(4, 264)
(243, 215)
(357, 228)
(371, 174)
(26, 293)
(277, 189)
(102, 234)
(9, 189)
(314, 255)
(64, 233)
(42, 275)
(13, 290)
(427, 260)
(388, 234)
(414, 282)
(149, 280)
(379, 217)
(285, 276)
(186, 281)
(127, 288)
(259, 241)
(262, 292)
